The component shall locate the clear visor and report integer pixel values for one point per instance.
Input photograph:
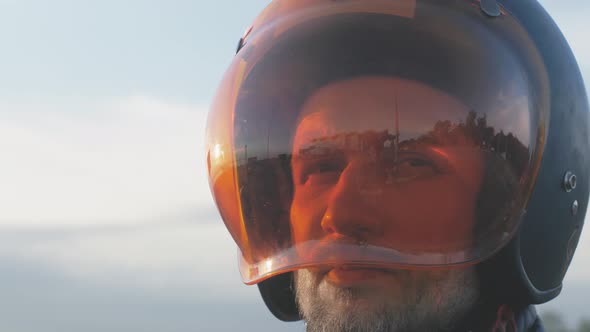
(372, 139)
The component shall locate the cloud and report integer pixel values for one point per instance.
(113, 194)
(166, 258)
(79, 161)
(60, 302)
(170, 257)
(579, 270)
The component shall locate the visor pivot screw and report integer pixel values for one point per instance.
(570, 181)
(490, 8)
(575, 207)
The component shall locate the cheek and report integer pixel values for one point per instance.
(430, 215)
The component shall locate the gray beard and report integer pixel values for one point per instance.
(427, 302)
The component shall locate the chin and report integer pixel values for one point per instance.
(393, 301)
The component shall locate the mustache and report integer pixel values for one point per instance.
(325, 269)
(346, 253)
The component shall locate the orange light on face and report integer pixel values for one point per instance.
(402, 194)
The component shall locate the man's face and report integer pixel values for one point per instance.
(369, 168)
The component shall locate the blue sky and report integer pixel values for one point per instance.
(175, 49)
(106, 221)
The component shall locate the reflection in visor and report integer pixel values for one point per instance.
(368, 189)
(375, 154)
(416, 195)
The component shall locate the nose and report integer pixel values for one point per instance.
(351, 208)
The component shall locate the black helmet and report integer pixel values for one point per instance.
(431, 133)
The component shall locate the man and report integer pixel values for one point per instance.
(387, 165)
(359, 196)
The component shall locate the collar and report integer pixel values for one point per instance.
(522, 320)
(487, 317)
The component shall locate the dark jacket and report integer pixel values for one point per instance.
(501, 319)
(528, 321)
(523, 320)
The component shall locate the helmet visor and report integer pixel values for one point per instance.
(373, 139)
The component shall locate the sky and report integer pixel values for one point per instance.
(106, 220)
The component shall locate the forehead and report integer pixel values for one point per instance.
(375, 104)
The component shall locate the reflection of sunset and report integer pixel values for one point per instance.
(218, 153)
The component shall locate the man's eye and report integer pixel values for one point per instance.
(408, 169)
(322, 173)
(418, 163)
(323, 178)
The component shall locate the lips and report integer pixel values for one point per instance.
(349, 276)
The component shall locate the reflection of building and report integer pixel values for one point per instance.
(353, 142)
(385, 146)
(265, 186)
(475, 132)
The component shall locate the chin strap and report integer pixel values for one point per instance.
(505, 320)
